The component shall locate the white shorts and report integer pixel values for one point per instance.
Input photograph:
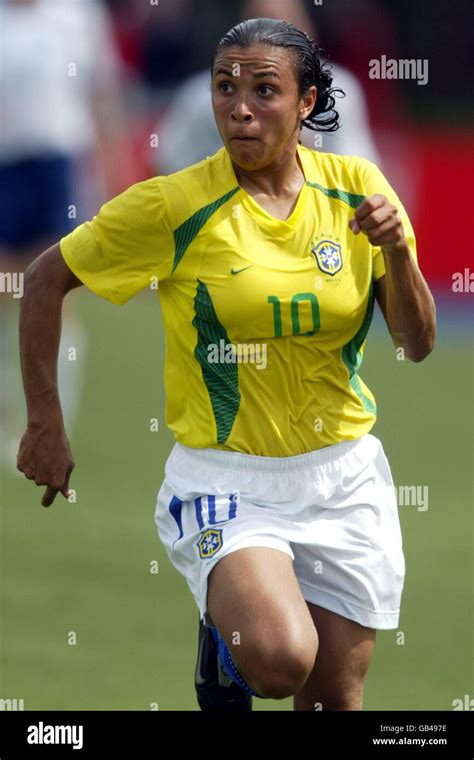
(333, 511)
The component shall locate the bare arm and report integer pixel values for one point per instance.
(403, 295)
(44, 454)
(409, 311)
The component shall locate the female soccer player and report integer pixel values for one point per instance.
(278, 504)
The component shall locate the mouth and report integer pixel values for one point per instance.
(243, 138)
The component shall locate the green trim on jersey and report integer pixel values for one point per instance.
(221, 378)
(352, 355)
(187, 231)
(351, 199)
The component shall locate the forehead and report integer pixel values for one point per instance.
(254, 58)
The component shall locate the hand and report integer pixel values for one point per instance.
(380, 221)
(45, 457)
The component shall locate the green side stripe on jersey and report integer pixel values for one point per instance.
(352, 356)
(186, 232)
(341, 195)
(221, 378)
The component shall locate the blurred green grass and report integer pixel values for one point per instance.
(85, 567)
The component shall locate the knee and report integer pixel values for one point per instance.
(282, 674)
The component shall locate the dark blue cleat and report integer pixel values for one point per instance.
(215, 690)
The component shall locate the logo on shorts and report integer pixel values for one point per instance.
(328, 256)
(210, 542)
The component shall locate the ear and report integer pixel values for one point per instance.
(308, 102)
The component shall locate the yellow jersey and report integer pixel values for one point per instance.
(265, 320)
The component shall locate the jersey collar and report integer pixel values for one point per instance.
(259, 212)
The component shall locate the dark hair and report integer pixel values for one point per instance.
(310, 70)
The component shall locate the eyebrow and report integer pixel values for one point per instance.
(260, 74)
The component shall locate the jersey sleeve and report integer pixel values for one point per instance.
(127, 244)
(375, 183)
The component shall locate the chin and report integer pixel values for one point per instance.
(245, 156)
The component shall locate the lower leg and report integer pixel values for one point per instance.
(337, 679)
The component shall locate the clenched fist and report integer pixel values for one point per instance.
(380, 221)
(45, 457)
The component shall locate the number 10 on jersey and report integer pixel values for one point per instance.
(295, 319)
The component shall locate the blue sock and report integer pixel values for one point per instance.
(228, 663)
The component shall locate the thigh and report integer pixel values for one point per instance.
(345, 650)
(255, 601)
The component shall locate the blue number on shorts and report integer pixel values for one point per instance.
(175, 507)
(211, 501)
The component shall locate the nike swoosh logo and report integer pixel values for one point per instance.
(236, 271)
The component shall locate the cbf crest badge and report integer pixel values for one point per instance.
(328, 256)
(209, 542)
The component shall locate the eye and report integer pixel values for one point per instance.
(224, 84)
(267, 87)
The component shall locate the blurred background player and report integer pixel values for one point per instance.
(61, 130)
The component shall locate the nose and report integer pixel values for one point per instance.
(241, 113)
